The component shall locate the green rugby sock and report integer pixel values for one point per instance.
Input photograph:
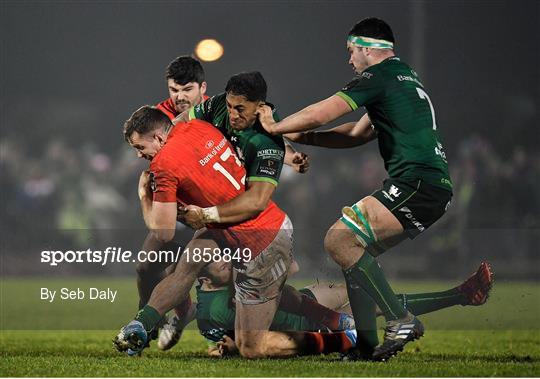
(149, 317)
(365, 318)
(420, 303)
(369, 275)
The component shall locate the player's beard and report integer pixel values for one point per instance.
(182, 106)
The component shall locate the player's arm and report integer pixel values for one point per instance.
(347, 135)
(264, 157)
(159, 217)
(247, 205)
(243, 207)
(309, 118)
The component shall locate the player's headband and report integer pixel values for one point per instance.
(370, 42)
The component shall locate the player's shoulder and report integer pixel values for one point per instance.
(371, 76)
(215, 101)
(218, 303)
(167, 107)
(198, 125)
(163, 161)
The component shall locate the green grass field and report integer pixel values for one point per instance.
(501, 338)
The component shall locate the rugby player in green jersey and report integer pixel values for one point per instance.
(234, 113)
(259, 281)
(187, 88)
(400, 114)
(216, 314)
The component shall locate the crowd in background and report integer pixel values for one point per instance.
(61, 192)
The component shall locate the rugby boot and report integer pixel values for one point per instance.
(172, 330)
(475, 290)
(346, 322)
(132, 338)
(396, 335)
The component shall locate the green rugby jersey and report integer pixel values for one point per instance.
(403, 116)
(215, 316)
(261, 153)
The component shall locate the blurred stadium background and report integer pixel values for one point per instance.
(72, 72)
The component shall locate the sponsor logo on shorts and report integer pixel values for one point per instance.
(392, 194)
(412, 219)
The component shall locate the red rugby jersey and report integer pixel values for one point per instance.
(167, 107)
(197, 165)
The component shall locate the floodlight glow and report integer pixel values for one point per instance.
(209, 50)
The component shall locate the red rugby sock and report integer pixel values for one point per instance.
(326, 343)
(319, 313)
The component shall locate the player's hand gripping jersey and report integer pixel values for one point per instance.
(261, 153)
(198, 166)
(403, 116)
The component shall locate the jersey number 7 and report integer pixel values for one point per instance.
(424, 95)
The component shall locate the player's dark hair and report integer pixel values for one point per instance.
(185, 69)
(374, 28)
(144, 120)
(203, 272)
(249, 84)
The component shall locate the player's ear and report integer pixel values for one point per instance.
(160, 135)
(203, 88)
(204, 280)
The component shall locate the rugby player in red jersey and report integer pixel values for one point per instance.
(186, 85)
(195, 164)
(187, 88)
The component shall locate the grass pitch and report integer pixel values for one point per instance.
(501, 338)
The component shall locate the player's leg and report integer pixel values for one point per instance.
(292, 344)
(402, 209)
(302, 304)
(149, 274)
(474, 291)
(174, 289)
(252, 324)
(366, 286)
(171, 291)
(254, 340)
(258, 285)
(331, 295)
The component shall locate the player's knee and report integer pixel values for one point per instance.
(252, 353)
(333, 240)
(250, 348)
(338, 243)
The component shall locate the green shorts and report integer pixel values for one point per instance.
(415, 203)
